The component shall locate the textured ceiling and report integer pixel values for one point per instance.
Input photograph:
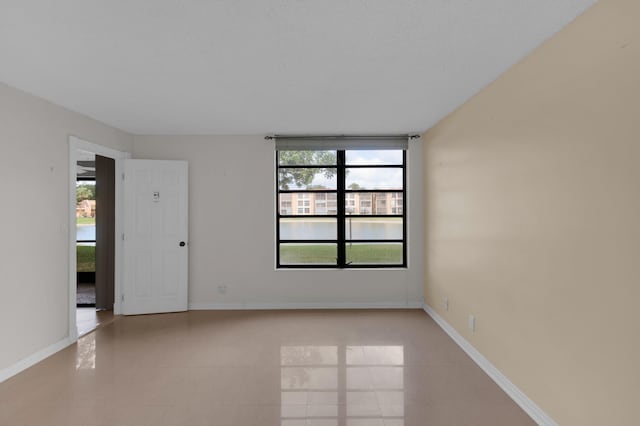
(265, 66)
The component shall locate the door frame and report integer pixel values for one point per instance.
(77, 144)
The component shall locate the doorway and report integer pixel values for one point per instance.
(93, 226)
(95, 239)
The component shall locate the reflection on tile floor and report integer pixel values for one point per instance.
(87, 319)
(359, 384)
(283, 368)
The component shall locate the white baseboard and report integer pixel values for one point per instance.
(530, 407)
(305, 305)
(216, 306)
(34, 358)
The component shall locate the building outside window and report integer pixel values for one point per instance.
(365, 204)
(332, 204)
(380, 203)
(285, 204)
(397, 202)
(304, 204)
(350, 203)
(320, 203)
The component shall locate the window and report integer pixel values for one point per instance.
(349, 208)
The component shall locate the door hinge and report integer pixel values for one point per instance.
(123, 176)
(123, 236)
(122, 297)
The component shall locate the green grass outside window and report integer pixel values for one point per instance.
(86, 258)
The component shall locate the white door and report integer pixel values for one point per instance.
(155, 236)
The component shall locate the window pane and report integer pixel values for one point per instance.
(308, 229)
(307, 158)
(372, 203)
(308, 254)
(374, 178)
(307, 203)
(307, 178)
(364, 157)
(373, 228)
(374, 253)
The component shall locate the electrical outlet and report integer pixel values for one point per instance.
(445, 303)
(472, 323)
(222, 289)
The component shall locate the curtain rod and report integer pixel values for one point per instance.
(342, 137)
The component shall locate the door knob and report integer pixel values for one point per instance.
(182, 243)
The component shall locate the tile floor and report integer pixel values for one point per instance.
(87, 319)
(284, 368)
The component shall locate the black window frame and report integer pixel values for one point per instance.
(341, 191)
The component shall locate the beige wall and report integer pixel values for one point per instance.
(34, 168)
(533, 220)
